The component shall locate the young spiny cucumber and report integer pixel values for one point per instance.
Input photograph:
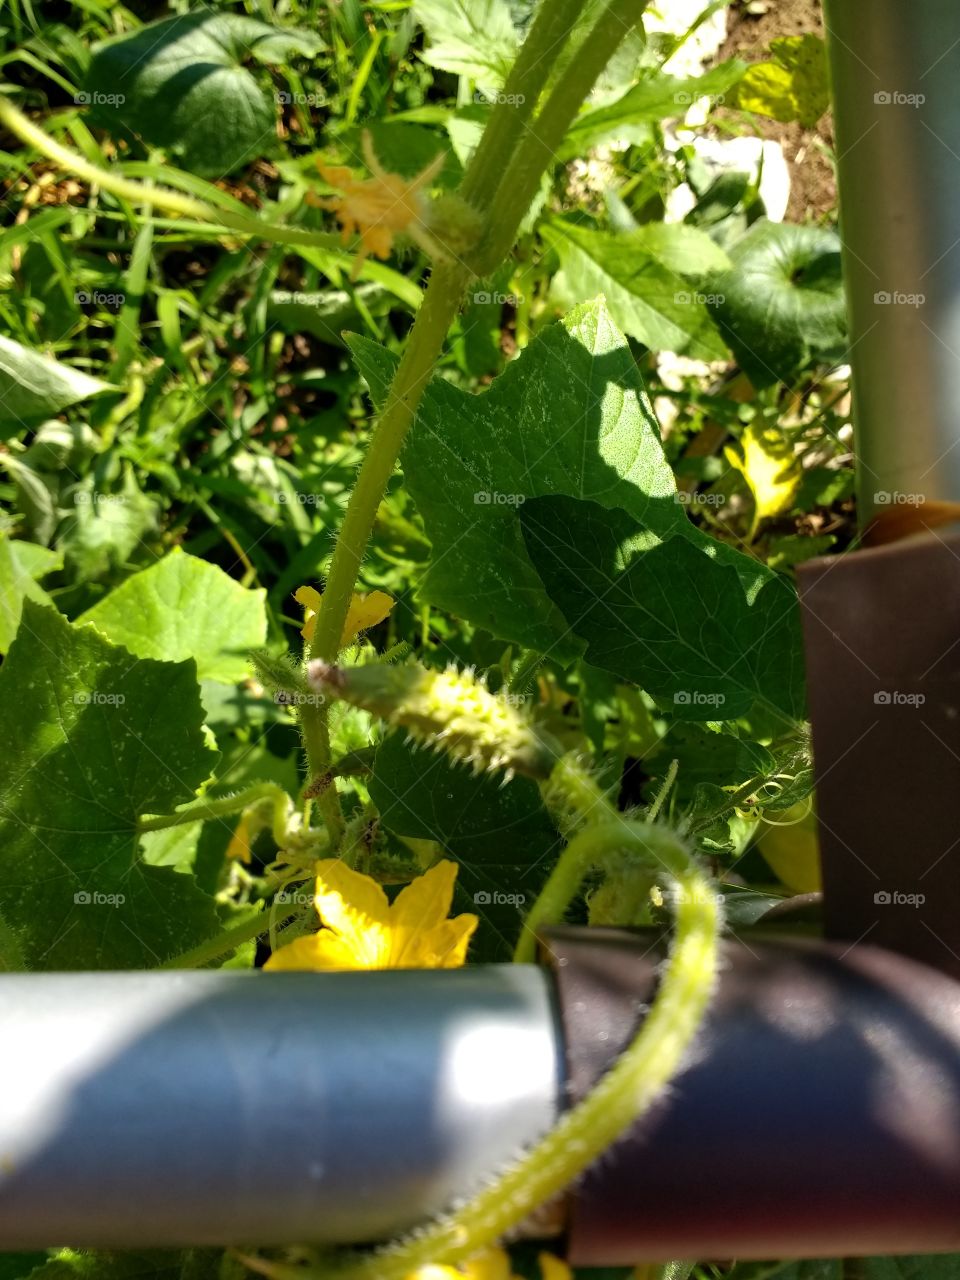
(449, 710)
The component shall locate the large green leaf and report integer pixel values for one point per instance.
(91, 738)
(643, 275)
(182, 607)
(781, 304)
(568, 416)
(34, 387)
(670, 618)
(474, 38)
(181, 84)
(502, 836)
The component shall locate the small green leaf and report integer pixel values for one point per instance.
(91, 739)
(16, 584)
(642, 277)
(38, 561)
(669, 618)
(792, 86)
(473, 38)
(182, 607)
(781, 304)
(34, 387)
(651, 100)
(181, 84)
(104, 530)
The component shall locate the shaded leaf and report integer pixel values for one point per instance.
(670, 618)
(568, 416)
(502, 836)
(781, 304)
(181, 84)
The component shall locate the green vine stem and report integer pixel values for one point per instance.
(624, 1094)
(219, 945)
(585, 851)
(505, 204)
(543, 137)
(551, 29)
(161, 197)
(205, 810)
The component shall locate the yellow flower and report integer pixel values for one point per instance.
(379, 207)
(770, 468)
(362, 930)
(493, 1264)
(365, 611)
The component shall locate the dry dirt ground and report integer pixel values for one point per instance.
(751, 27)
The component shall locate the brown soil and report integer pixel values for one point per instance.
(813, 193)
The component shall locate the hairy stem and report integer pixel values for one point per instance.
(515, 106)
(439, 308)
(584, 852)
(218, 946)
(482, 186)
(205, 810)
(545, 133)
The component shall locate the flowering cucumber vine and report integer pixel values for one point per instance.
(468, 235)
(453, 712)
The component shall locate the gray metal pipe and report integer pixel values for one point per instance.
(896, 87)
(153, 1109)
(820, 1113)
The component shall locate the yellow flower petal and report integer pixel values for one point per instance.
(451, 942)
(356, 908)
(492, 1264)
(361, 930)
(309, 597)
(770, 468)
(365, 611)
(239, 846)
(419, 941)
(316, 953)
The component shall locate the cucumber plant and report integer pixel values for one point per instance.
(543, 653)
